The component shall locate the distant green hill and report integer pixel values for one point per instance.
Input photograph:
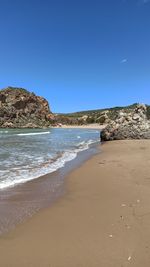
(96, 111)
(99, 115)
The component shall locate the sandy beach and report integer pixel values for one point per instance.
(86, 126)
(102, 221)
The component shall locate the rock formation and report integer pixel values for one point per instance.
(128, 124)
(22, 109)
(103, 118)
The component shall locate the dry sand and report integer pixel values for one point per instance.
(86, 126)
(103, 221)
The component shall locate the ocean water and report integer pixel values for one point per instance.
(27, 154)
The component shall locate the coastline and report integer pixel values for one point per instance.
(102, 220)
(96, 126)
(20, 202)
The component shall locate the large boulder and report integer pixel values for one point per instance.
(128, 125)
(20, 108)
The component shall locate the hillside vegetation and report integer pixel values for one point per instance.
(101, 116)
(20, 108)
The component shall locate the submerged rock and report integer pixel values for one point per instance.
(128, 125)
(21, 109)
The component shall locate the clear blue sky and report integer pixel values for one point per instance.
(79, 54)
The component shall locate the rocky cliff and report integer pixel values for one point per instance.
(129, 124)
(21, 109)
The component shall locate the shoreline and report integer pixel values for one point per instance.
(102, 220)
(34, 195)
(94, 126)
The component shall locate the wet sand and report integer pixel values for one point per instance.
(102, 221)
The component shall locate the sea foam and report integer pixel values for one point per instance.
(30, 159)
(27, 134)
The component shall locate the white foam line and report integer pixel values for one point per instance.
(26, 134)
(59, 163)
